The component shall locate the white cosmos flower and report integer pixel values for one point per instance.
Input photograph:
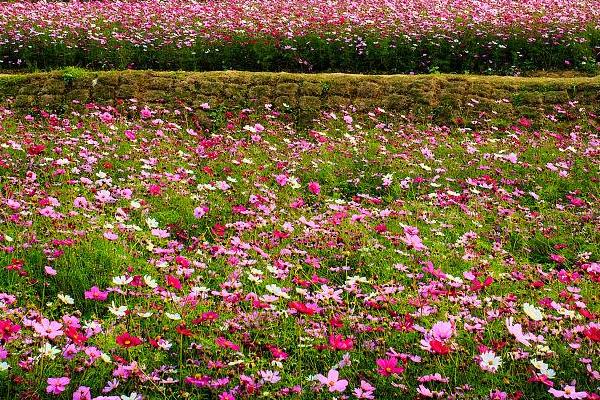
(132, 396)
(293, 182)
(150, 281)
(145, 314)
(4, 366)
(277, 291)
(173, 316)
(533, 312)
(152, 223)
(122, 280)
(47, 350)
(543, 368)
(490, 361)
(118, 311)
(65, 298)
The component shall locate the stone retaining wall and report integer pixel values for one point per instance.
(439, 96)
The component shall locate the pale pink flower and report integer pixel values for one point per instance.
(332, 381)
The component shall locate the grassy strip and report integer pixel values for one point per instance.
(469, 52)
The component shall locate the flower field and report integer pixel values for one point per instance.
(175, 253)
(386, 36)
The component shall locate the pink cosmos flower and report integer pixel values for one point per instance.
(129, 134)
(332, 381)
(173, 282)
(57, 385)
(568, 392)
(226, 396)
(442, 330)
(47, 328)
(108, 235)
(49, 270)
(388, 366)
(517, 331)
(281, 179)
(80, 202)
(365, 391)
(224, 343)
(338, 342)
(82, 393)
(200, 212)
(145, 113)
(95, 294)
(412, 239)
(314, 188)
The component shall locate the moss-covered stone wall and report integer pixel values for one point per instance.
(440, 96)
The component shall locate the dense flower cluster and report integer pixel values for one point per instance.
(372, 35)
(179, 253)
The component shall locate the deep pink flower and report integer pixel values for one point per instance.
(8, 329)
(173, 282)
(338, 342)
(314, 188)
(126, 340)
(388, 366)
(95, 294)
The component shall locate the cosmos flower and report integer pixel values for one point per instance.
(489, 361)
(332, 381)
(57, 385)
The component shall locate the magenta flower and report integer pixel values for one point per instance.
(8, 330)
(314, 188)
(332, 381)
(95, 294)
(82, 393)
(388, 366)
(57, 385)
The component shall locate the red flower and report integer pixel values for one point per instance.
(182, 330)
(127, 341)
(15, 265)
(586, 313)
(207, 316)
(302, 308)
(36, 149)
(592, 333)
(174, 282)
(337, 342)
(218, 230)
(181, 260)
(380, 228)
(524, 122)
(8, 329)
(76, 336)
(314, 188)
(277, 352)
(439, 347)
(226, 344)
